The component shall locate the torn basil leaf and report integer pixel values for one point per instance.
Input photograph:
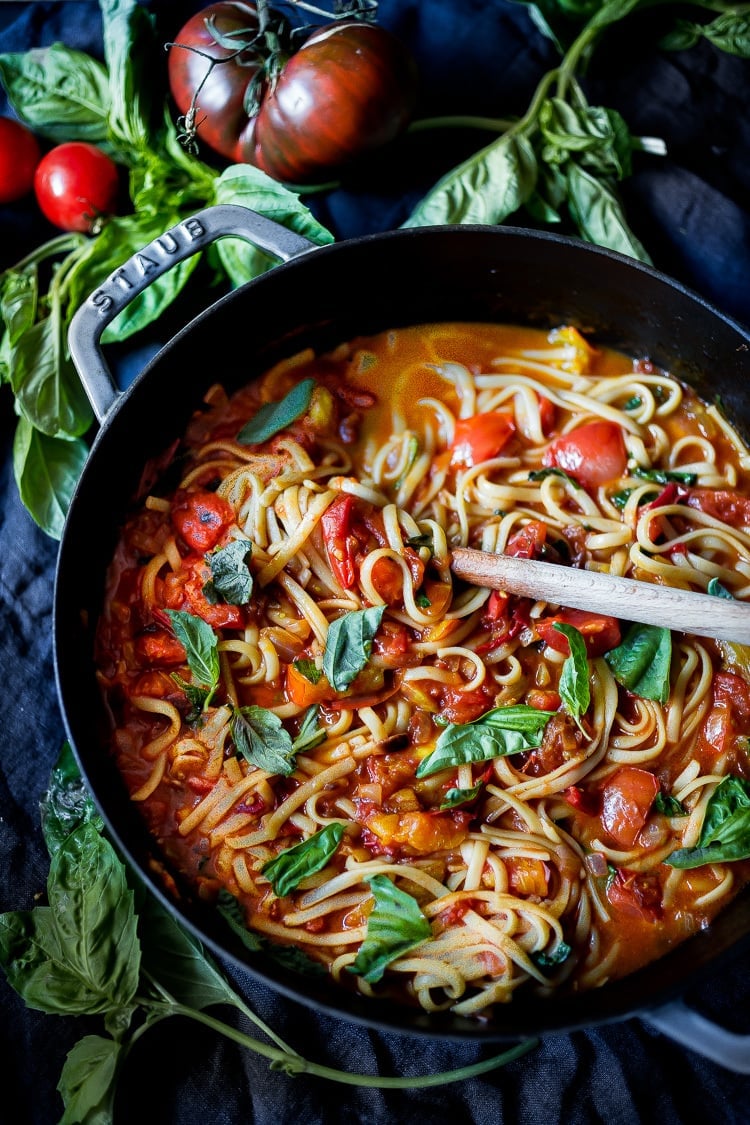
(642, 662)
(725, 835)
(560, 953)
(261, 738)
(395, 925)
(717, 590)
(201, 647)
(495, 734)
(542, 474)
(349, 645)
(455, 797)
(309, 669)
(310, 734)
(287, 870)
(574, 680)
(273, 417)
(231, 580)
(668, 805)
(664, 476)
(197, 696)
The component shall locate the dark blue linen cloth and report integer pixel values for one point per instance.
(692, 210)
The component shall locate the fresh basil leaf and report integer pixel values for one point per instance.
(276, 416)
(198, 697)
(310, 734)
(88, 1080)
(642, 661)
(598, 213)
(287, 870)
(715, 587)
(80, 955)
(59, 92)
(133, 57)
(231, 579)
(598, 136)
(46, 471)
(730, 32)
(308, 669)
(349, 645)
(454, 797)
(668, 805)
(422, 600)
(620, 499)
(684, 35)
(542, 474)
(261, 738)
(560, 953)
(249, 187)
(45, 383)
(19, 296)
(426, 539)
(664, 476)
(200, 644)
(574, 679)
(66, 803)
(395, 925)
(725, 835)
(497, 733)
(486, 188)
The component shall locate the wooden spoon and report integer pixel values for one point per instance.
(628, 598)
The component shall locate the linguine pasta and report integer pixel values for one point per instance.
(428, 788)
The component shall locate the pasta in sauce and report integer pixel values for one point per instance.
(432, 789)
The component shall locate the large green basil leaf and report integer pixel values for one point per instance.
(273, 417)
(287, 870)
(200, 644)
(261, 738)
(642, 661)
(66, 802)
(88, 1080)
(349, 645)
(133, 59)
(725, 835)
(249, 187)
(60, 93)
(395, 925)
(729, 32)
(45, 383)
(574, 679)
(495, 734)
(81, 954)
(121, 238)
(598, 214)
(486, 188)
(46, 471)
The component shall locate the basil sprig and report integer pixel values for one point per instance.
(495, 734)
(202, 650)
(273, 417)
(642, 661)
(574, 680)
(287, 870)
(395, 925)
(231, 580)
(725, 835)
(349, 645)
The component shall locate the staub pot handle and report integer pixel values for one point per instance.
(138, 272)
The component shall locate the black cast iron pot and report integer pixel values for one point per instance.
(320, 297)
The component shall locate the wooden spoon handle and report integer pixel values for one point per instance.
(627, 598)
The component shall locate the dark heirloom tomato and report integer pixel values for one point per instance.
(350, 88)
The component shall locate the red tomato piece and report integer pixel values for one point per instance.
(464, 706)
(626, 801)
(160, 647)
(527, 542)
(201, 518)
(336, 523)
(184, 591)
(730, 714)
(481, 437)
(543, 700)
(637, 895)
(547, 412)
(19, 156)
(729, 507)
(600, 632)
(592, 454)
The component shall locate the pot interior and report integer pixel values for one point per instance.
(323, 298)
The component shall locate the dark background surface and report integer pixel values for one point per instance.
(692, 211)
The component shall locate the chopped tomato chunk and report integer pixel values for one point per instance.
(481, 437)
(527, 542)
(626, 801)
(592, 454)
(201, 518)
(336, 523)
(184, 590)
(729, 507)
(600, 632)
(637, 895)
(159, 647)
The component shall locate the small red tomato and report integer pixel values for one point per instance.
(481, 437)
(19, 156)
(592, 454)
(77, 186)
